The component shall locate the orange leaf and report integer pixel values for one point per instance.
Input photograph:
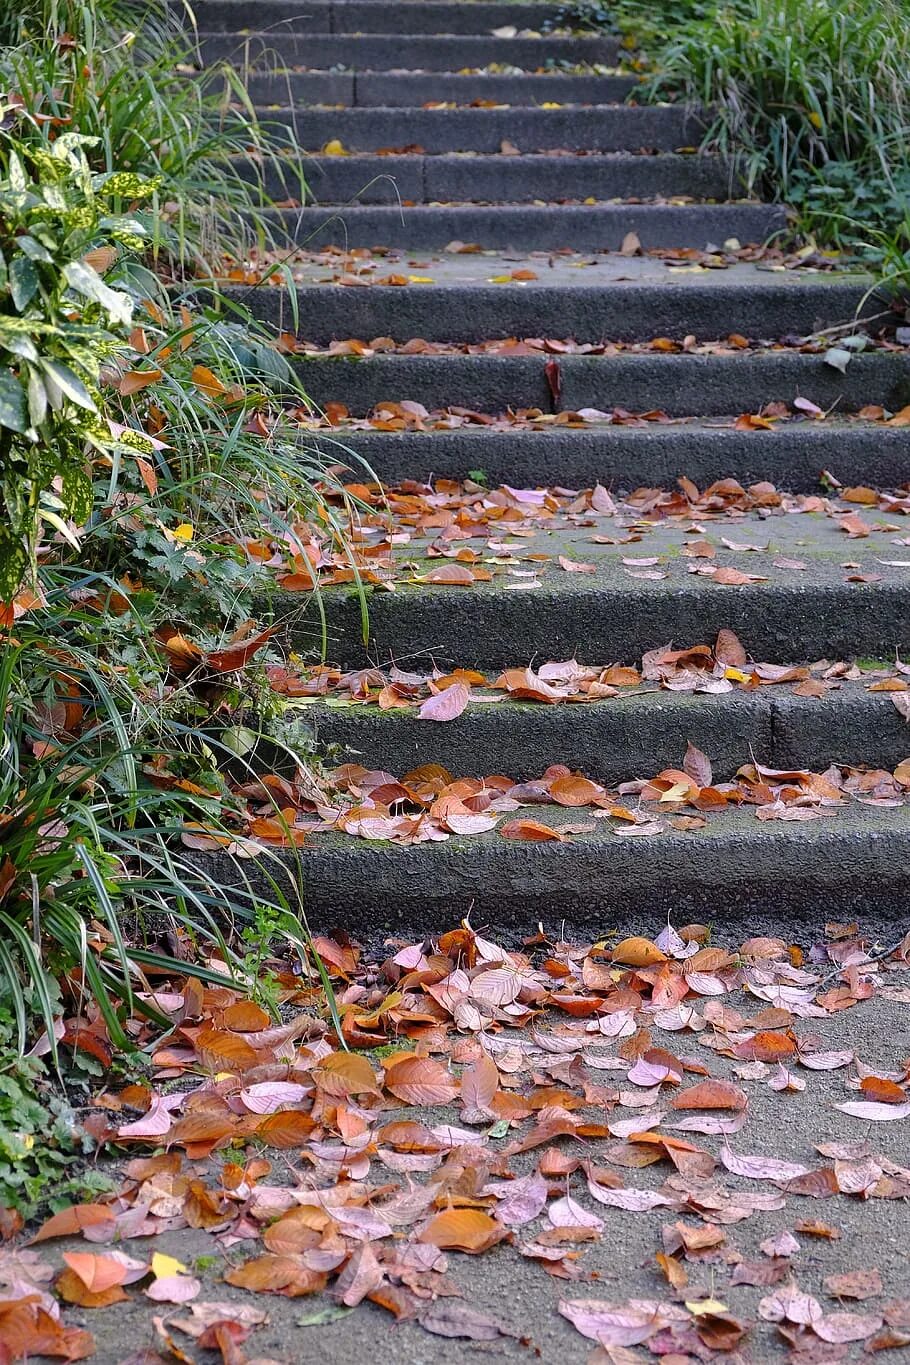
(72, 1288)
(206, 381)
(245, 1016)
(287, 1128)
(131, 381)
(346, 1073)
(881, 1089)
(638, 952)
(276, 1273)
(420, 1080)
(467, 1230)
(574, 790)
(70, 1222)
(96, 1272)
(711, 1095)
(530, 830)
(455, 575)
(224, 1051)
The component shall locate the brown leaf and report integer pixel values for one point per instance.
(711, 1095)
(420, 1080)
(697, 765)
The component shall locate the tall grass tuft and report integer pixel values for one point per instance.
(812, 98)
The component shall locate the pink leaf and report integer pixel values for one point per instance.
(445, 705)
(874, 1110)
(173, 1289)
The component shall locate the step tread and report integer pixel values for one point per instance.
(680, 385)
(640, 731)
(852, 860)
(844, 602)
(477, 297)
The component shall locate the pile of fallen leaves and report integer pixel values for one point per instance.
(429, 804)
(483, 1101)
(440, 695)
(392, 530)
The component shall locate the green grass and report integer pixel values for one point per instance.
(813, 99)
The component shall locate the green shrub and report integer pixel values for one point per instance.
(56, 321)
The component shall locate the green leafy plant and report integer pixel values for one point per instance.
(56, 316)
(41, 1141)
(125, 77)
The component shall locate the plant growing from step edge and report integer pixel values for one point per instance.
(105, 758)
(127, 77)
(813, 101)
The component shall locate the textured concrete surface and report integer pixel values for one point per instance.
(851, 862)
(410, 89)
(367, 51)
(514, 179)
(366, 16)
(792, 455)
(603, 127)
(631, 735)
(596, 227)
(680, 385)
(589, 297)
(813, 613)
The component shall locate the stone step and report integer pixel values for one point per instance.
(528, 178)
(852, 861)
(635, 734)
(471, 298)
(403, 17)
(534, 227)
(604, 128)
(680, 385)
(411, 89)
(792, 456)
(387, 51)
(820, 609)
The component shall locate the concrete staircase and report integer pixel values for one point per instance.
(530, 154)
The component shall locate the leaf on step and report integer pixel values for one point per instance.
(445, 705)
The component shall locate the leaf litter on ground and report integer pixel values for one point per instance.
(482, 1101)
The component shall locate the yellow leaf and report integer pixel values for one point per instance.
(698, 1307)
(815, 119)
(550, 104)
(500, 279)
(421, 279)
(163, 1266)
(335, 148)
(736, 675)
(183, 532)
